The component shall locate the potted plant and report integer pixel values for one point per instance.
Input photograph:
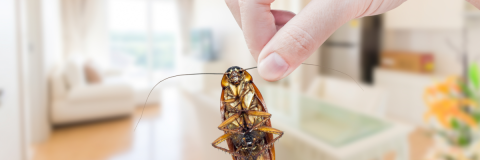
(455, 115)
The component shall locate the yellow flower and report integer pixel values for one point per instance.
(444, 105)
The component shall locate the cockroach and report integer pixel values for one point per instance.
(245, 119)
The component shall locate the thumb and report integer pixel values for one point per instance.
(304, 33)
(300, 37)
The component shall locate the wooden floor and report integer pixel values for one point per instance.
(114, 139)
(92, 141)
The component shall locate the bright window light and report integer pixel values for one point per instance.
(143, 36)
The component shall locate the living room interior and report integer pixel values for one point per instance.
(79, 82)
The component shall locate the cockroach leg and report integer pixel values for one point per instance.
(273, 131)
(220, 140)
(238, 149)
(232, 131)
(269, 130)
(261, 114)
(229, 120)
(230, 100)
(224, 124)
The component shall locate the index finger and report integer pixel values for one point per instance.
(258, 24)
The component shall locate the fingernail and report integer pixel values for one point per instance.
(272, 67)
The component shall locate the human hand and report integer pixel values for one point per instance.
(475, 3)
(280, 47)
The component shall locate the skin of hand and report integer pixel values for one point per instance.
(475, 3)
(280, 47)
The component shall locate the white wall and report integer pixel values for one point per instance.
(11, 125)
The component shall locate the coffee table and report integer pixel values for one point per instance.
(322, 130)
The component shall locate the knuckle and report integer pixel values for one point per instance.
(299, 41)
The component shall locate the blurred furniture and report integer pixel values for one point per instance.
(405, 93)
(74, 100)
(323, 130)
(347, 93)
(348, 49)
(418, 62)
(302, 144)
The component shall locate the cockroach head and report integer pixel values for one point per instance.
(235, 74)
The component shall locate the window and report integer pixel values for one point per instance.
(143, 36)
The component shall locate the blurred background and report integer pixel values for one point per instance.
(76, 74)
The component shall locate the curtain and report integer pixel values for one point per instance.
(185, 12)
(85, 28)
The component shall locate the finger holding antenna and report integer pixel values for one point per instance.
(305, 32)
(301, 36)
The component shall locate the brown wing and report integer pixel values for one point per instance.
(260, 97)
(222, 106)
(224, 84)
(222, 113)
(268, 123)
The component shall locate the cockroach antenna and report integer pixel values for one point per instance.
(191, 74)
(308, 64)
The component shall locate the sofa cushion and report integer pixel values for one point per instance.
(100, 92)
(92, 73)
(58, 84)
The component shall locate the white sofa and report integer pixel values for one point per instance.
(73, 100)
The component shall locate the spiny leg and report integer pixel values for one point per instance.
(223, 125)
(269, 130)
(220, 140)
